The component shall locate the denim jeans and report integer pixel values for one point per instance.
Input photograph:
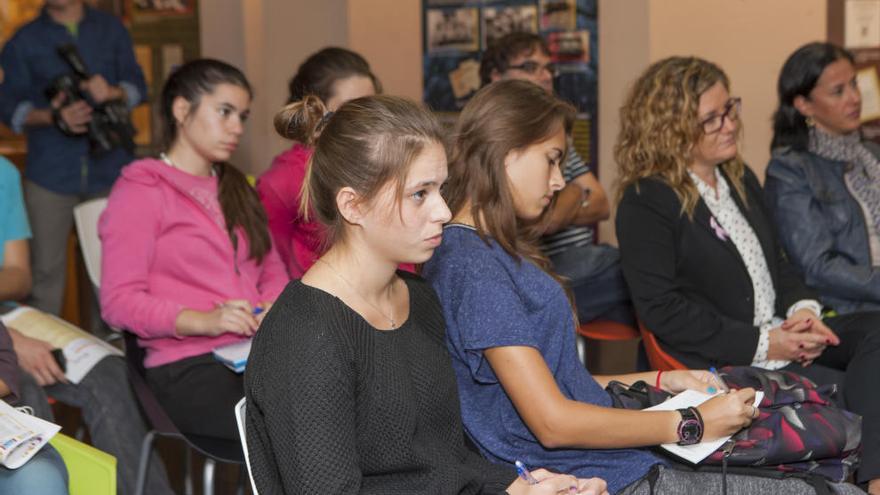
(595, 278)
(44, 474)
(112, 416)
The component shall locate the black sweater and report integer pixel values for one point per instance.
(337, 406)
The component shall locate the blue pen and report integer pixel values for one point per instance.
(720, 380)
(255, 311)
(524, 473)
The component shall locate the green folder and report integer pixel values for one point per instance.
(91, 471)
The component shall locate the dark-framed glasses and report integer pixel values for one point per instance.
(532, 67)
(715, 123)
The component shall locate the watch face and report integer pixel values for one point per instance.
(689, 431)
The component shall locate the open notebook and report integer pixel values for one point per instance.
(692, 398)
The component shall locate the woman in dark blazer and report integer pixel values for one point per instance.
(701, 256)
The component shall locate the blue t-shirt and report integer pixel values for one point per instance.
(13, 220)
(491, 300)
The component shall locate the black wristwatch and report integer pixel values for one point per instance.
(690, 430)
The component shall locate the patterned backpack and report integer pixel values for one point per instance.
(799, 429)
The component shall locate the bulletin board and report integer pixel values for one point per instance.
(457, 32)
(855, 25)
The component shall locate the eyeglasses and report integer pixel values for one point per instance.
(532, 67)
(716, 122)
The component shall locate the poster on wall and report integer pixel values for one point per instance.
(457, 33)
(869, 85)
(558, 15)
(862, 19)
(868, 79)
(452, 30)
(157, 9)
(498, 21)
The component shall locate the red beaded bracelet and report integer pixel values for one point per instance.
(658, 378)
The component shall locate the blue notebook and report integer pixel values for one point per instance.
(234, 356)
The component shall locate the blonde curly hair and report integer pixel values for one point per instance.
(660, 128)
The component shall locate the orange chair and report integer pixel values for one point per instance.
(608, 330)
(657, 357)
(602, 330)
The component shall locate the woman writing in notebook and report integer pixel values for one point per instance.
(511, 326)
(188, 262)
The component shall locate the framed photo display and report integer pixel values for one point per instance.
(456, 33)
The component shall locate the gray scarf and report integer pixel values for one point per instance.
(863, 171)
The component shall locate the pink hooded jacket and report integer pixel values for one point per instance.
(164, 249)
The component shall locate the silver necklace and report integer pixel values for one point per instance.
(364, 299)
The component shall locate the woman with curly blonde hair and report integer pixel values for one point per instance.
(658, 132)
(701, 256)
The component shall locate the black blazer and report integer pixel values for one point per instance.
(690, 287)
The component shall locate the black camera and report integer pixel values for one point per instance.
(110, 126)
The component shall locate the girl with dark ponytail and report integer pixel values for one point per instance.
(330, 76)
(188, 263)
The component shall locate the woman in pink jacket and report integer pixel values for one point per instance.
(188, 263)
(335, 75)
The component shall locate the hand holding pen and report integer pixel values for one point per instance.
(236, 316)
(720, 381)
(543, 482)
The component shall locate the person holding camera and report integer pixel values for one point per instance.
(65, 76)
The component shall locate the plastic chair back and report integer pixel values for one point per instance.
(658, 358)
(91, 471)
(240, 411)
(86, 217)
(608, 330)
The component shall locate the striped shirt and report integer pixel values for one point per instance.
(573, 235)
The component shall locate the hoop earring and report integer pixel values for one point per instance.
(810, 122)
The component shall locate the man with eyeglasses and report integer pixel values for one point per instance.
(594, 270)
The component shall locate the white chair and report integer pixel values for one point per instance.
(239, 419)
(86, 217)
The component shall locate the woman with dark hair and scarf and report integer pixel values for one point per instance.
(823, 180)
